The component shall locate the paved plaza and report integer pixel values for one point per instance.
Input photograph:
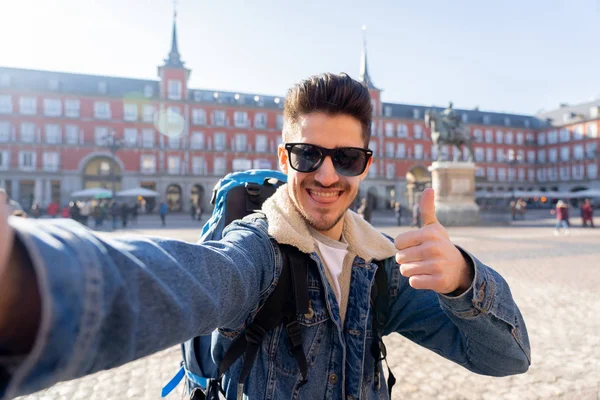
(554, 280)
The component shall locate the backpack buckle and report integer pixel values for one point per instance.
(253, 189)
(294, 335)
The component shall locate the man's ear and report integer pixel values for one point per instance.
(366, 171)
(282, 157)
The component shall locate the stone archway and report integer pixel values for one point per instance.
(418, 179)
(100, 171)
(174, 199)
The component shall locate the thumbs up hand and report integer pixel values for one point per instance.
(429, 259)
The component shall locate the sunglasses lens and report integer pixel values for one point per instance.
(350, 162)
(305, 157)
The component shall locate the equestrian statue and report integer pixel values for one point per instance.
(447, 129)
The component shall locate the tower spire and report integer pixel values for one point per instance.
(364, 71)
(174, 58)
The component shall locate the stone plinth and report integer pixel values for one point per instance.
(454, 185)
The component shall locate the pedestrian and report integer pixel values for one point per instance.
(562, 217)
(134, 213)
(74, 211)
(163, 213)
(398, 213)
(513, 209)
(66, 211)
(52, 209)
(36, 210)
(416, 215)
(365, 209)
(193, 211)
(124, 214)
(115, 210)
(84, 212)
(108, 301)
(587, 214)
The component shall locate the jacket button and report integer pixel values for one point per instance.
(333, 379)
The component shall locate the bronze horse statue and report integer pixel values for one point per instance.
(444, 132)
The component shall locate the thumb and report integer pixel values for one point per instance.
(427, 207)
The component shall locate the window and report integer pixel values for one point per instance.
(592, 129)
(71, 134)
(148, 91)
(148, 112)
(564, 173)
(219, 166)
(521, 175)
(465, 118)
(553, 155)
(502, 174)
(530, 138)
(564, 135)
(418, 151)
(173, 141)
(489, 136)
(5, 128)
(577, 171)
(4, 80)
(102, 87)
(101, 110)
(499, 156)
(401, 151)
(240, 142)
(197, 141)
(52, 107)
(148, 138)
(506, 121)
(541, 156)
(4, 160)
(198, 116)
(478, 135)
(389, 129)
(592, 171)
(220, 139)
(174, 90)
(372, 171)
(416, 113)
(130, 112)
(390, 171)
(6, 104)
(101, 136)
(50, 161)
(260, 120)
(541, 174)
(508, 138)
(27, 105)
(491, 173)
(373, 129)
(374, 107)
(530, 156)
(531, 175)
(479, 154)
(279, 122)
(591, 150)
(402, 131)
(541, 138)
(27, 160)
(499, 137)
(489, 154)
(219, 118)
(565, 152)
(389, 149)
(479, 172)
(553, 137)
(27, 132)
(174, 165)
(240, 119)
(131, 137)
(261, 143)
(198, 164)
(387, 111)
(519, 137)
(148, 164)
(72, 108)
(418, 130)
(53, 134)
(373, 146)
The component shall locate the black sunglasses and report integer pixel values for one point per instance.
(347, 161)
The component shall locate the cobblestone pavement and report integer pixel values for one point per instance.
(554, 280)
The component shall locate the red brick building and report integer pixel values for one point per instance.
(56, 130)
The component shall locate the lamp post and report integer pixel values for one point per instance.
(113, 144)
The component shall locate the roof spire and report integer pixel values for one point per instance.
(174, 59)
(364, 72)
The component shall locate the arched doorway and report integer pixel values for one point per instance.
(100, 171)
(197, 196)
(174, 202)
(372, 197)
(417, 180)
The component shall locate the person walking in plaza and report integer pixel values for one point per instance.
(562, 217)
(398, 213)
(115, 211)
(162, 211)
(124, 214)
(76, 302)
(84, 211)
(587, 214)
(416, 215)
(134, 212)
(53, 209)
(193, 211)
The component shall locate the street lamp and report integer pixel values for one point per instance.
(113, 144)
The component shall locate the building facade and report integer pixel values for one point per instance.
(62, 132)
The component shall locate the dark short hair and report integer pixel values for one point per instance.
(331, 94)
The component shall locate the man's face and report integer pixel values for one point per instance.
(323, 196)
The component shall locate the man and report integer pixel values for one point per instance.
(95, 303)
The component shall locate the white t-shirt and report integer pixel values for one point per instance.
(333, 253)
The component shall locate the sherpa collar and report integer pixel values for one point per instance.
(287, 226)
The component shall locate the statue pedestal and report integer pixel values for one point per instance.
(454, 185)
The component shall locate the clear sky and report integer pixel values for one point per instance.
(514, 56)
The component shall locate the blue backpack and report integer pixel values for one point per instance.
(235, 196)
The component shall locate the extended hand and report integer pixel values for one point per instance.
(428, 258)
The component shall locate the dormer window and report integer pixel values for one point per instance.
(4, 80)
(102, 87)
(54, 84)
(416, 113)
(506, 121)
(174, 90)
(486, 119)
(148, 91)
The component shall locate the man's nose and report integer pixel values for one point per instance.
(326, 175)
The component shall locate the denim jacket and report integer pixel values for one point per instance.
(106, 302)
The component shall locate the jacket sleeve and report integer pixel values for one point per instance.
(106, 302)
(482, 329)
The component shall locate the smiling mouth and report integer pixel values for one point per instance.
(324, 197)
